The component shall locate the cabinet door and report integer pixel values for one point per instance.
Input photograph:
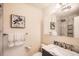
(0, 29)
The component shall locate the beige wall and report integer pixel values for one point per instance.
(33, 17)
(48, 17)
(46, 21)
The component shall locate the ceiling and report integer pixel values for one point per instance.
(43, 5)
(74, 10)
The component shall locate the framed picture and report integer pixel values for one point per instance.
(17, 21)
(52, 25)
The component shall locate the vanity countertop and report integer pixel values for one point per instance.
(59, 51)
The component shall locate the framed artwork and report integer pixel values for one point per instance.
(52, 25)
(17, 21)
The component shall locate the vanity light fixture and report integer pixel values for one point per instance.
(65, 6)
(63, 20)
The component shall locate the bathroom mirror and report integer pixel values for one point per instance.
(66, 26)
(66, 22)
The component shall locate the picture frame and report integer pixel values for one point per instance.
(17, 21)
(52, 25)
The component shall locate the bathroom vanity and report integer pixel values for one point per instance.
(54, 50)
